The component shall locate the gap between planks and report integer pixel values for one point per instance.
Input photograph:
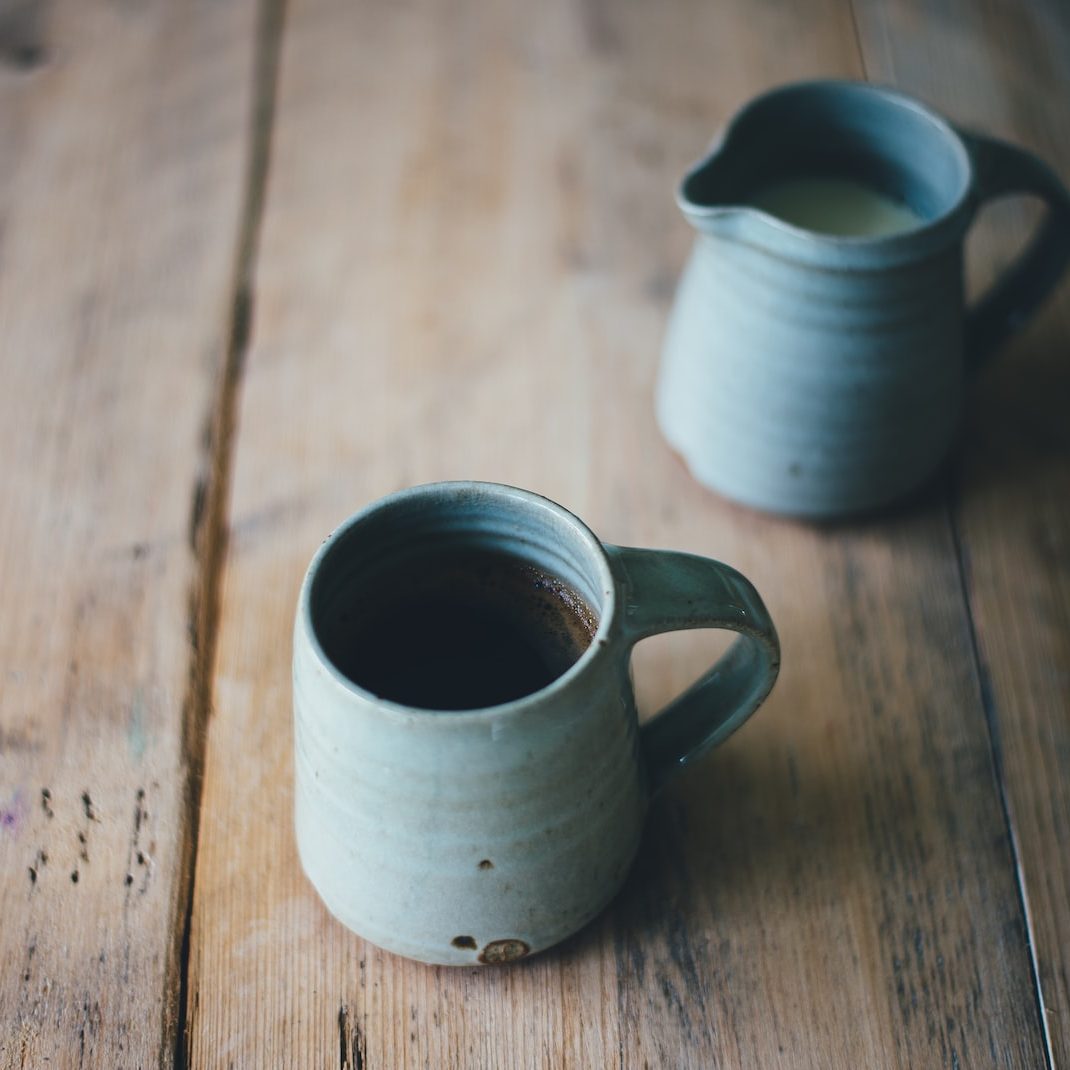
(984, 690)
(208, 524)
(858, 40)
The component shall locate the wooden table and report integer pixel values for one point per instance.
(262, 263)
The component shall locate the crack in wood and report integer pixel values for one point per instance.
(208, 524)
(352, 1052)
(991, 714)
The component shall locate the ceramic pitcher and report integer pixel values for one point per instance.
(817, 374)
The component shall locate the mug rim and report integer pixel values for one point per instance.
(594, 652)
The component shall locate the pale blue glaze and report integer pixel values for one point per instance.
(519, 822)
(815, 375)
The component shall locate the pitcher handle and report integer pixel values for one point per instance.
(1002, 170)
(666, 591)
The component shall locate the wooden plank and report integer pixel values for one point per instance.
(468, 254)
(124, 133)
(1013, 506)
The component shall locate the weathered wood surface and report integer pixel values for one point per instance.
(122, 185)
(1006, 69)
(468, 252)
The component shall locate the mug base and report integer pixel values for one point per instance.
(467, 949)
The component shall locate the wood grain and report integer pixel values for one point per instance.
(468, 255)
(122, 167)
(1005, 69)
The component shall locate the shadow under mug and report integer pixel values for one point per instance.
(819, 374)
(481, 836)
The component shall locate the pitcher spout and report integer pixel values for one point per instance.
(710, 194)
(833, 174)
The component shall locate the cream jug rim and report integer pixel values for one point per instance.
(740, 221)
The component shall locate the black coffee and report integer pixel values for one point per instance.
(460, 630)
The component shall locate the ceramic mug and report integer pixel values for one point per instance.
(485, 835)
(815, 373)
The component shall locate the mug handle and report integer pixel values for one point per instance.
(665, 591)
(1004, 170)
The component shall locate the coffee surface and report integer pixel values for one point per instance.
(459, 630)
